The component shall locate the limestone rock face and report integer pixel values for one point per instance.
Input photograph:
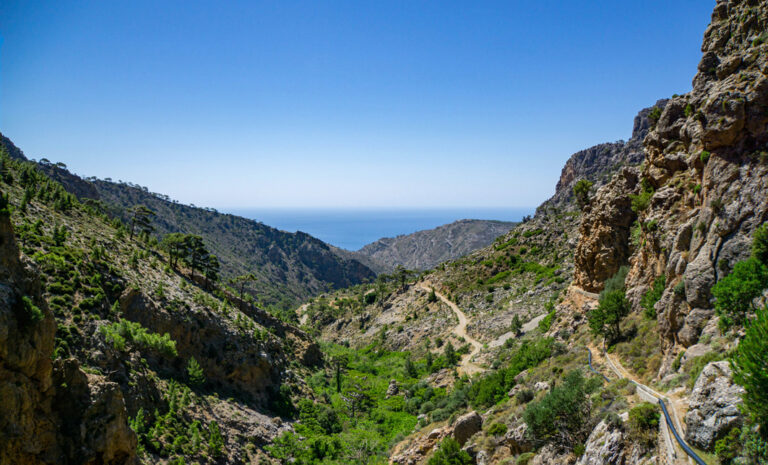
(714, 406)
(466, 426)
(605, 228)
(49, 414)
(605, 446)
(705, 173)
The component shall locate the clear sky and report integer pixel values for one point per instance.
(337, 104)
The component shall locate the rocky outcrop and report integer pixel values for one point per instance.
(229, 358)
(49, 414)
(704, 179)
(605, 446)
(713, 406)
(599, 163)
(604, 246)
(466, 426)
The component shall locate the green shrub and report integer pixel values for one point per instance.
(749, 362)
(450, 453)
(643, 423)
(31, 313)
(195, 373)
(760, 244)
(652, 296)
(497, 429)
(729, 447)
(123, 331)
(704, 156)
(641, 201)
(523, 459)
(654, 115)
(432, 297)
(581, 192)
(688, 110)
(613, 306)
(563, 413)
(734, 294)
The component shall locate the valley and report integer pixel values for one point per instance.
(138, 330)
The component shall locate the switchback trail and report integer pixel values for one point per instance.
(466, 366)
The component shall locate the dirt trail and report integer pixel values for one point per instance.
(466, 366)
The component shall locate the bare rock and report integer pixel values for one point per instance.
(714, 406)
(605, 446)
(466, 426)
(393, 388)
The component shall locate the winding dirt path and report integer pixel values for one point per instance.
(466, 366)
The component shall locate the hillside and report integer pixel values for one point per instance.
(289, 267)
(426, 249)
(111, 353)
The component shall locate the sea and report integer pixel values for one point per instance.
(351, 229)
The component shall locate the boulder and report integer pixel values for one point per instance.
(714, 406)
(604, 446)
(693, 324)
(466, 426)
(393, 388)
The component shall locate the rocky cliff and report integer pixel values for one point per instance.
(50, 412)
(688, 214)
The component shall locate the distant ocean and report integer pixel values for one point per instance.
(351, 229)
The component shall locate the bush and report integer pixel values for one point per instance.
(605, 319)
(450, 453)
(563, 413)
(643, 423)
(432, 297)
(760, 244)
(31, 313)
(525, 395)
(497, 429)
(123, 331)
(734, 293)
(728, 447)
(195, 373)
(652, 296)
(654, 115)
(749, 362)
(581, 192)
(704, 156)
(642, 200)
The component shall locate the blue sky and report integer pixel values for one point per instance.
(337, 104)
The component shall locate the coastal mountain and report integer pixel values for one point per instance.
(426, 249)
(288, 267)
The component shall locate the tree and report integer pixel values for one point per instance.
(613, 306)
(516, 325)
(195, 253)
(563, 413)
(401, 275)
(605, 319)
(176, 246)
(195, 373)
(581, 192)
(241, 281)
(734, 294)
(432, 297)
(450, 354)
(141, 218)
(750, 362)
(211, 268)
(410, 368)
